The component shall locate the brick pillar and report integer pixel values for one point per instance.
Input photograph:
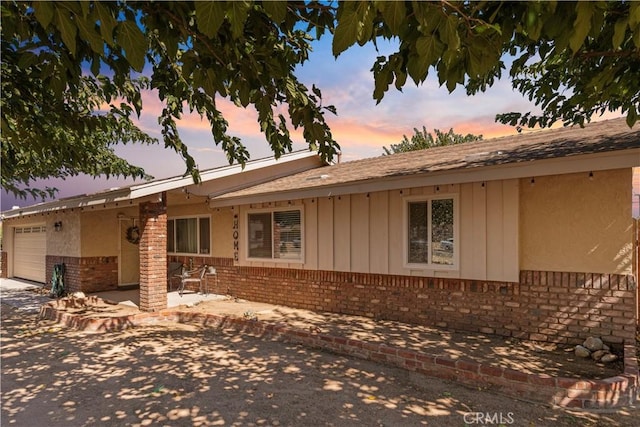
(3, 265)
(153, 255)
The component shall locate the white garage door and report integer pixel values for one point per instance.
(29, 246)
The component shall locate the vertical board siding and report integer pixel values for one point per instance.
(342, 233)
(364, 233)
(396, 239)
(360, 238)
(495, 231)
(379, 242)
(325, 233)
(466, 231)
(310, 237)
(511, 237)
(479, 232)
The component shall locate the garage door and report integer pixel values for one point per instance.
(29, 246)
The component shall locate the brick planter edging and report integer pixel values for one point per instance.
(618, 391)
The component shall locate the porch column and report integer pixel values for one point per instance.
(153, 255)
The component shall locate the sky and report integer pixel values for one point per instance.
(361, 127)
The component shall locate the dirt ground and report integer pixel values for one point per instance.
(522, 355)
(184, 375)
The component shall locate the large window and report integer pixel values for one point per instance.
(275, 235)
(189, 235)
(431, 239)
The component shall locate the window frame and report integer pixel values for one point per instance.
(197, 218)
(271, 211)
(456, 234)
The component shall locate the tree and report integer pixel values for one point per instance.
(71, 71)
(421, 140)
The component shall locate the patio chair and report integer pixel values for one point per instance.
(175, 271)
(193, 276)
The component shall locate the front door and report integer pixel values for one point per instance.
(129, 262)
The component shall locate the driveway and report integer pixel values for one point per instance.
(25, 296)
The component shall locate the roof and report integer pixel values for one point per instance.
(526, 147)
(150, 188)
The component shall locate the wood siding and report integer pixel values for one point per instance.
(364, 233)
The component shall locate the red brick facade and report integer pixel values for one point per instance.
(3, 265)
(153, 259)
(544, 306)
(87, 274)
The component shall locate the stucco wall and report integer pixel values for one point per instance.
(573, 223)
(100, 231)
(65, 242)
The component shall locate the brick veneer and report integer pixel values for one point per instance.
(543, 306)
(153, 260)
(3, 265)
(87, 274)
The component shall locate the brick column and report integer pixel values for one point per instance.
(153, 255)
(3, 265)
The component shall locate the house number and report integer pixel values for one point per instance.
(236, 243)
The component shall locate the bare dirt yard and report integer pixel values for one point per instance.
(172, 374)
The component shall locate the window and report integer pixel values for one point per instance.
(430, 232)
(275, 235)
(189, 235)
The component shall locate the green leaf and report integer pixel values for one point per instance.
(418, 68)
(237, 16)
(277, 10)
(619, 30)
(581, 26)
(346, 33)
(394, 14)
(430, 48)
(632, 116)
(450, 32)
(107, 22)
(209, 16)
(634, 13)
(67, 29)
(44, 12)
(133, 42)
(365, 29)
(87, 32)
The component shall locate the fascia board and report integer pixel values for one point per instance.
(139, 191)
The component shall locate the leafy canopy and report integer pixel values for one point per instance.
(73, 72)
(423, 139)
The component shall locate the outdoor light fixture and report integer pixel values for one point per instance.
(58, 226)
(591, 176)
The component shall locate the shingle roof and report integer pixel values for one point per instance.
(603, 136)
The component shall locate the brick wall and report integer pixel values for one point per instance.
(544, 306)
(199, 261)
(153, 259)
(3, 265)
(87, 274)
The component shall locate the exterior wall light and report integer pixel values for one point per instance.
(58, 226)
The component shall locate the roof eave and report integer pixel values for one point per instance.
(515, 170)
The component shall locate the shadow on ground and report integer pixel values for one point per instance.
(173, 374)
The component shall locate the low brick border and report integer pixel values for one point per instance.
(618, 391)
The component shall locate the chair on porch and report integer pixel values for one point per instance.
(194, 276)
(174, 273)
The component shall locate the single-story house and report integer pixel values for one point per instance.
(529, 235)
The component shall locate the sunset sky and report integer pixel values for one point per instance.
(361, 127)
